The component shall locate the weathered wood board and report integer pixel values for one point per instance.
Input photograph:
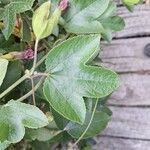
(137, 22)
(129, 128)
(133, 123)
(126, 56)
(113, 143)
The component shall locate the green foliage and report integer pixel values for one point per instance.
(26, 31)
(131, 2)
(42, 134)
(46, 59)
(10, 11)
(92, 16)
(67, 65)
(43, 18)
(11, 75)
(99, 123)
(15, 116)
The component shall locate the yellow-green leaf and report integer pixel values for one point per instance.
(3, 69)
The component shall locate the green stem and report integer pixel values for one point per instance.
(26, 75)
(30, 92)
(33, 91)
(14, 85)
(35, 56)
(82, 135)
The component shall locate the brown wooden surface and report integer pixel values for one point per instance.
(129, 128)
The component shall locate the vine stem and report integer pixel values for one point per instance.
(33, 91)
(35, 56)
(14, 85)
(82, 135)
(27, 75)
(30, 92)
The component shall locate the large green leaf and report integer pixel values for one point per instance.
(3, 69)
(87, 17)
(98, 124)
(9, 15)
(71, 78)
(15, 116)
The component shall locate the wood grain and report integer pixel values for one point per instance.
(129, 123)
(126, 56)
(137, 22)
(112, 143)
(134, 91)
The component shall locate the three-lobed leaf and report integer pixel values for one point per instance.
(71, 77)
(87, 17)
(15, 116)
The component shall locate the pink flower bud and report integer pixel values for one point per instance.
(27, 54)
(63, 4)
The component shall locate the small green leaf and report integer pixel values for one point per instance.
(3, 69)
(9, 15)
(86, 12)
(87, 17)
(43, 23)
(98, 124)
(131, 2)
(68, 66)
(40, 19)
(15, 116)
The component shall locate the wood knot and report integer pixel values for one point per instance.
(147, 50)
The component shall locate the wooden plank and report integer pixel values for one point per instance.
(134, 90)
(126, 56)
(137, 23)
(129, 123)
(112, 143)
